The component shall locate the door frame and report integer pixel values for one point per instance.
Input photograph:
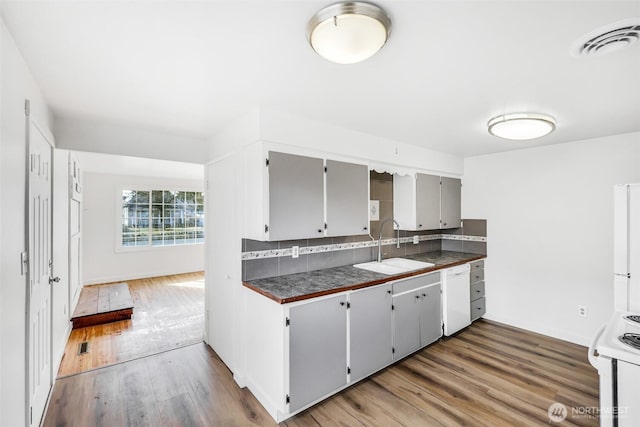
(48, 137)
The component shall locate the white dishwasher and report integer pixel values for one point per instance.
(456, 299)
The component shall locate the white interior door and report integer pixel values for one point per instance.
(40, 236)
(75, 228)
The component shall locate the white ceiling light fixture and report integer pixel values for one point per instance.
(347, 33)
(521, 126)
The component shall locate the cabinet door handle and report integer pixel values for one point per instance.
(424, 295)
(417, 296)
(478, 290)
(364, 228)
(342, 303)
(319, 230)
(419, 225)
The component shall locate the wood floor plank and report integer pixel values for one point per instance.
(139, 404)
(169, 313)
(476, 378)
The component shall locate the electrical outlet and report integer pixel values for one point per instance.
(295, 251)
(582, 310)
(416, 239)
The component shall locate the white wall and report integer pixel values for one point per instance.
(549, 214)
(285, 128)
(86, 135)
(16, 85)
(100, 261)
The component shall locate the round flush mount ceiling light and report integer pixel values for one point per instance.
(521, 126)
(609, 38)
(347, 33)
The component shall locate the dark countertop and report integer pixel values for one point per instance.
(300, 286)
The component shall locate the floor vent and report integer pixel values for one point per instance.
(83, 348)
(610, 38)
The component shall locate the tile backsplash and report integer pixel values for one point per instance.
(270, 259)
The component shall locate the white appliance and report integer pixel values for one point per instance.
(456, 299)
(615, 353)
(615, 349)
(626, 249)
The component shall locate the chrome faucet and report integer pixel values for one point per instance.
(380, 237)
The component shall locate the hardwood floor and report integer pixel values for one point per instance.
(168, 314)
(488, 375)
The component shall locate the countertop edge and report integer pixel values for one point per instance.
(358, 285)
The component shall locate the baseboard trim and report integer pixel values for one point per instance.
(531, 327)
(125, 277)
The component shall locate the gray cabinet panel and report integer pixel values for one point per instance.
(412, 283)
(477, 290)
(317, 350)
(427, 202)
(370, 337)
(478, 308)
(406, 320)
(450, 202)
(477, 276)
(296, 197)
(347, 199)
(430, 314)
(476, 265)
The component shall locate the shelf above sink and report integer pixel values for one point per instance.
(393, 266)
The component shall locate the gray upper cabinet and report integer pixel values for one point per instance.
(427, 202)
(296, 197)
(370, 338)
(450, 202)
(317, 350)
(347, 198)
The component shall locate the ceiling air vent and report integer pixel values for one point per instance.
(609, 38)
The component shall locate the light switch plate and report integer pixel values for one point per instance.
(295, 251)
(416, 239)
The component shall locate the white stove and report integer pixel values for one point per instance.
(615, 353)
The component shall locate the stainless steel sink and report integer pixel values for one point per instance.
(393, 266)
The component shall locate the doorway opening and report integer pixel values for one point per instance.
(142, 224)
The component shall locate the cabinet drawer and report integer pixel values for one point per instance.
(476, 265)
(476, 276)
(412, 283)
(478, 308)
(477, 290)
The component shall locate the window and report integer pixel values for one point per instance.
(162, 218)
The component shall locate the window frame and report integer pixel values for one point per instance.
(119, 247)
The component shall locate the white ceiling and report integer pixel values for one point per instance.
(190, 67)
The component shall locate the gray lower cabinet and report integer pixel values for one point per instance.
(430, 314)
(476, 289)
(370, 337)
(417, 313)
(317, 350)
(406, 321)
